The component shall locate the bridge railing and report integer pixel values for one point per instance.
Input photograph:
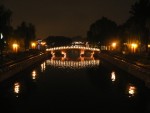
(72, 47)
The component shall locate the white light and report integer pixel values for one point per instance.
(132, 90)
(16, 88)
(113, 76)
(73, 64)
(73, 47)
(1, 36)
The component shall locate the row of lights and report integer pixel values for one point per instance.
(133, 46)
(131, 89)
(15, 46)
(72, 47)
(73, 64)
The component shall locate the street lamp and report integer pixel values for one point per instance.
(134, 46)
(33, 45)
(114, 45)
(15, 47)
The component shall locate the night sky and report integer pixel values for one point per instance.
(66, 17)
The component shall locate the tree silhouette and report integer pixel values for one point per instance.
(102, 30)
(26, 32)
(5, 27)
(55, 41)
(141, 16)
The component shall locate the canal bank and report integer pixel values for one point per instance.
(133, 69)
(17, 67)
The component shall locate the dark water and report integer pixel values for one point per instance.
(74, 86)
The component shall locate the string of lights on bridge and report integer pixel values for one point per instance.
(72, 47)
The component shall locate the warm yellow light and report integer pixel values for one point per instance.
(70, 47)
(64, 53)
(73, 64)
(15, 47)
(33, 45)
(34, 75)
(43, 43)
(114, 44)
(43, 67)
(133, 45)
(148, 45)
(131, 90)
(16, 88)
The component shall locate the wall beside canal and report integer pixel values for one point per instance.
(15, 68)
(133, 69)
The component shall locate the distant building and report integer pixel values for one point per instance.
(78, 43)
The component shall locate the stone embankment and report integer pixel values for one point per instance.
(15, 68)
(133, 69)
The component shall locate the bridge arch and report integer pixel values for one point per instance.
(73, 51)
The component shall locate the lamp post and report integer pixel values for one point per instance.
(15, 47)
(33, 45)
(114, 44)
(133, 47)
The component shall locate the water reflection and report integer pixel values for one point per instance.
(43, 67)
(85, 88)
(34, 75)
(17, 88)
(113, 76)
(131, 90)
(73, 64)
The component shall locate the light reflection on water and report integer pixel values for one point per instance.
(34, 74)
(132, 90)
(73, 64)
(113, 76)
(16, 88)
(43, 67)
(95, 80)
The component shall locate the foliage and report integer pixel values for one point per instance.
(140, 21)
(5, 18)
(23, 35)
(26, 32)
(53, 41)
(5, 28)
(102, 30)
(136, 29)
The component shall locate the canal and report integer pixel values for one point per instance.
(57, 86)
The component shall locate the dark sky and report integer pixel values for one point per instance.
(66, 17)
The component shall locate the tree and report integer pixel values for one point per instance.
(5, 17)
(27, 33)
(5, 27)
(55, 41)
(140, 14)
(32, 32)
(102, 30)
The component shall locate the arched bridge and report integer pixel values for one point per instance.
(73, 51)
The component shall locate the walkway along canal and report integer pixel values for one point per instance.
(10, 70)
(133, 69)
